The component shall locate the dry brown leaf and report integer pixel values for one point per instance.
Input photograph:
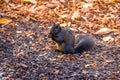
(110, 1)
(44, 78)
(3, 30)
(108, 38)
(88, 65)
(22, 65)
(94, 65)
(86, 6)
(75, 15)
(10, 78)
(41, 7)
(6, 1)
(16, 1)
(21, 55)
(51, 5)
(63, 1)
(84, 72)
(30, 1)
(45, 48)
(5, 21)
(87, 55)
(61, 57)
(73, 29)
(55, 1)
(52, 59)
(18, 32)
(109, 61)
(72, 57)
(113, 77)
(89, 15)
(40, 39)
(103, 31)
(56, 71)
(64, 15)
(63, 24)
(29, 33)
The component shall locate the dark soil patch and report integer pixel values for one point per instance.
(41, 63)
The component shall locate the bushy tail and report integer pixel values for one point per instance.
(85, 44)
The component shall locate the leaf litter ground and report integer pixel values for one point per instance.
(26, 53)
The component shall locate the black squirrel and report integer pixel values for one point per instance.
(66, 40)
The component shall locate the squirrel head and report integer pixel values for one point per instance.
(54, 30)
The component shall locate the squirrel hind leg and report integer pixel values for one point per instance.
(68, 49)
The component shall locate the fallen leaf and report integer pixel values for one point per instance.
(84, 72)
(5, 21)
(94, 64)
(41, 7)
(86, 6)
(108, 38)
(73, 29)
(109, 61)
(10, 78)
(103, 31)
(75, 15)
(56, 71)
(18, 32)
(64, 15)
(52, 59)
(72, 57)
(61, 57)
(63, 1)
(40, 39)
(89, 15)
(51, 5)
(29, 33)
(63, 24)
(21, 55)
(88, 65)
(6, 1)
(30, 1)
(110, 1)
(22, 65)
(87, 55)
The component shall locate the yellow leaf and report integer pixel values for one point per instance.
(87, 65)
(63, 24)
(111, 1)
(4, 20)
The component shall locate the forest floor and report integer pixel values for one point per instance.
(26, 53)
